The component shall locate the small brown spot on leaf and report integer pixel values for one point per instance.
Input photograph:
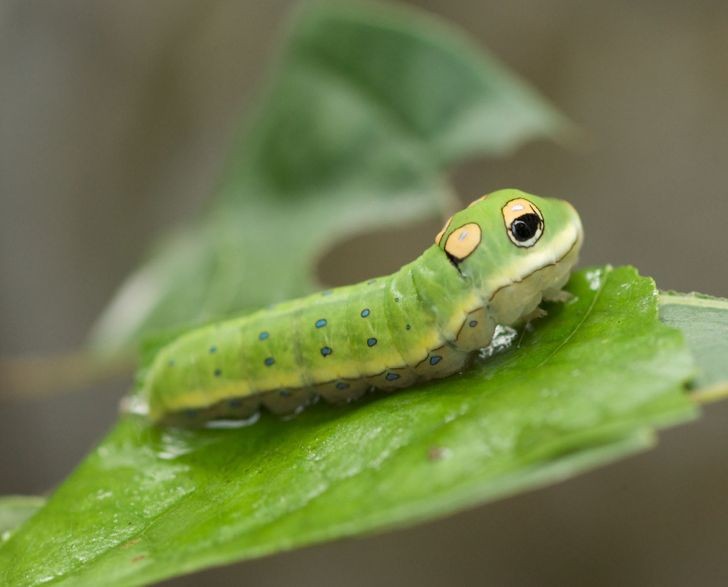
(437, 453)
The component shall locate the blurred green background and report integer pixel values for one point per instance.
(115, 120)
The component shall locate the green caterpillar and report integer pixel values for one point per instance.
(492, 263)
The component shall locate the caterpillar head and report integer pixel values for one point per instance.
(507, 235)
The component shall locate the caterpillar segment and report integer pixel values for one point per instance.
(492, 263)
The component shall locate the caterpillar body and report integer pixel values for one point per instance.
(492, 263)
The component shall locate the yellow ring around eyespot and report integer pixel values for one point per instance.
(438, 238)
(463, 241)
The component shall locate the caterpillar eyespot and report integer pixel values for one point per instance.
(463, 241)
(419, 323)
(524, 222)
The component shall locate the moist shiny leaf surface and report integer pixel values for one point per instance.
(588, 384)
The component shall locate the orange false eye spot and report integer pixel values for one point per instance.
(480, 199)
(524, 222)
(438, 238)
(463, 241)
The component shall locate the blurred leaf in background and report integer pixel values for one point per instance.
(704, 322)
(367, 106)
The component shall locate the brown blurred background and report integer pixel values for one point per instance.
(114, 122)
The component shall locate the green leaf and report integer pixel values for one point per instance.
(366, 108)
(704, 322)
(584, 386)
(14, 510)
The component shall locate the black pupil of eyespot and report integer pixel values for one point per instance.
(525, 227)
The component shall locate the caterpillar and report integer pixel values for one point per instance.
(492, 263)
